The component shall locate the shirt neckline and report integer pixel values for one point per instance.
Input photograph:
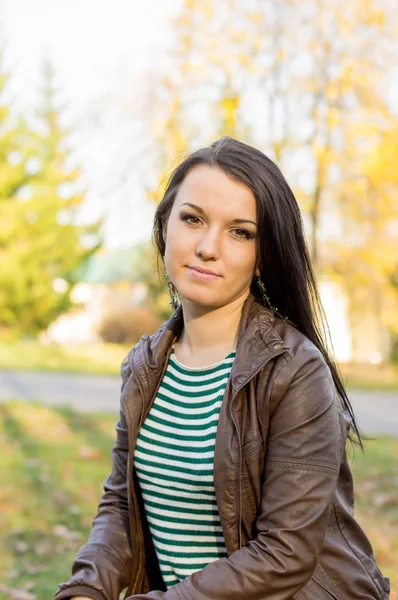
(206, 367)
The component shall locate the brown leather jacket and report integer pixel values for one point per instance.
(282, 480)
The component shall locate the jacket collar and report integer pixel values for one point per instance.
(258, 342)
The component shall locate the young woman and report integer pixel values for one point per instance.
(230, 478)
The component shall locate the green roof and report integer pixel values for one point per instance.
(110, 266)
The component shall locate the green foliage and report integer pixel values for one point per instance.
(41, 243)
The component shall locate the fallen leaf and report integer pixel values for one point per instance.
(89, 453)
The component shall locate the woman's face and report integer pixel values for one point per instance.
(212, 227)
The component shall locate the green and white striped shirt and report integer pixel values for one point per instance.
(174, 461)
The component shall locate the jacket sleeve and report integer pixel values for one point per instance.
(103, 565)
(300, 477)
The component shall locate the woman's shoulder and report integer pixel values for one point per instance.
(297, 356)
(301, 367)
(275, 329)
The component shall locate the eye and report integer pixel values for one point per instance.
(243, 234)
(190, 218)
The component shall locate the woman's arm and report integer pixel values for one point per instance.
(301, 471)
(103, 565)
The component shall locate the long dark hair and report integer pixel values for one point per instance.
(284, 258)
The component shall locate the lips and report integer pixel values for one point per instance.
(204, 271)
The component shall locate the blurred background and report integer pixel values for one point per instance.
(98, 101)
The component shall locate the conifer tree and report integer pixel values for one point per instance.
(42, 243)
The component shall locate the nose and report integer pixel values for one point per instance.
(208, 247)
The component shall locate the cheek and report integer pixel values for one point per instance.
(180, 234)
(178, 241)
(244, 260)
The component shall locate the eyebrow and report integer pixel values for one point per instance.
(202, 212)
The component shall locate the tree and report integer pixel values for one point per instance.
(365, 258)
(317, 69)
(314, 74)
(14, 175)
(42, 243)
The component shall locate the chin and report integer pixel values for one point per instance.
(202, 298)
(205, 300)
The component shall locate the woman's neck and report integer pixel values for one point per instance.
(208, 336)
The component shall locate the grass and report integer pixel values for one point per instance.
(53, 466)
(54, 462)
(105, 359)
(98, 359)
(376, 508)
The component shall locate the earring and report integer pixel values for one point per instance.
(172, 291)
(267, 301)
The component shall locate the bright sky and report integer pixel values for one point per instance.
(94, 45)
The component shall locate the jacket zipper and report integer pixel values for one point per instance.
(132, 586)
(239, 496)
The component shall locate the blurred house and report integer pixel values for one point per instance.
(107, 284)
